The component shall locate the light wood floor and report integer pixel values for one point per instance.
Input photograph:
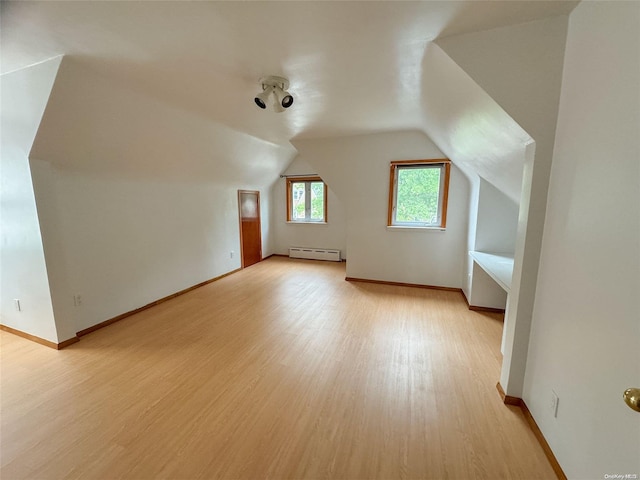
(283, 370)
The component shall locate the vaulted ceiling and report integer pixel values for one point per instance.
(354, 67)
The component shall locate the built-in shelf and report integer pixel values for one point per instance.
(499, 266)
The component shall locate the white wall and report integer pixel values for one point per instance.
(469, 126)
(140, 197)
(357, 168)
(474, 193)
(333, 234)
(520, 66)
(128, 242)
(497, 221)
(23, 271)
(586, 326)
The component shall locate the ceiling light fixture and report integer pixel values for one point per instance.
(278, 87)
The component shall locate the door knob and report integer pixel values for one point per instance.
(632, 398)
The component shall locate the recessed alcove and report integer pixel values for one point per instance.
(494, 246)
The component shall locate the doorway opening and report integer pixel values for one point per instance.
(250, 229)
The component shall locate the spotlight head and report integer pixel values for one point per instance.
(284, 98)
(287, 101)
(261, 98)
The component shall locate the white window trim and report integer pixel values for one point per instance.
(289, 201)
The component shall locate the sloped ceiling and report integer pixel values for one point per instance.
(95, 126)
(355, 67)
(529, 56)
(470, 127)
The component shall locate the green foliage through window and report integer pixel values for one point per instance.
(419, 193)
(306, 199)
(317, 201)
(298, 209)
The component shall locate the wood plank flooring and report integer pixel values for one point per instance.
(282, 371)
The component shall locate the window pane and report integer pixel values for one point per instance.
(317, 201)
(307, 202)
(297, 197)
(417, 195)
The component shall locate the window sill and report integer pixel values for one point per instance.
(307, 223)
(399, 228)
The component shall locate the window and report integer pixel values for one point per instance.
(418, 192)
(306, 200)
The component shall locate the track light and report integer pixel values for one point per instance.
(278, 86)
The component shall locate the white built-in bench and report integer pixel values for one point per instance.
(499, 266)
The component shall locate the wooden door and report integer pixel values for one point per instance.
(250, 231)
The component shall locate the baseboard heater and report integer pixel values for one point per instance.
(314, 253)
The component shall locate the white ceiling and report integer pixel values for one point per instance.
(354, 67)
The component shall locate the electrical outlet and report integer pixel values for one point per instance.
(77, 300)
(16, 303)
(553, 404)
(231, 254)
